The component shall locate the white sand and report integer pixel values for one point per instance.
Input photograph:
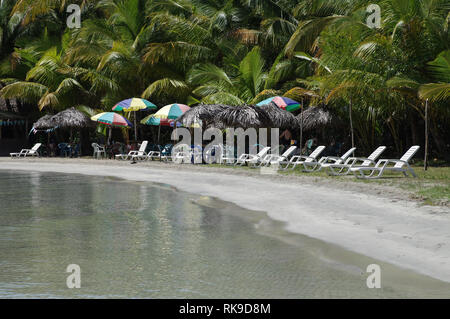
(398, 232)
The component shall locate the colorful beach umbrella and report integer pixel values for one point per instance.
(150, 120)
(134, 104)
(112, 119)
(283, 102)
(166, 115)
(171, 111)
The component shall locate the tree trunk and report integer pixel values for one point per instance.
(351, 122)
(425, 161)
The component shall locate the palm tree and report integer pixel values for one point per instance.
(50, 84)
(237, 52)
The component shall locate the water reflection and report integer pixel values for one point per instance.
(151, 241)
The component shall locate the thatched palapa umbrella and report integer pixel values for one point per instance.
(44, 122)
(244, 116)
(316, 116)
(278, 117)
(203, 114)
(71, 118)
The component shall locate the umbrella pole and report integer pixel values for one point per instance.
(109, 135)
(301, 128)
(159, 132)
(135, 127)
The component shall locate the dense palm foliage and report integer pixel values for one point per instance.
(238, 52)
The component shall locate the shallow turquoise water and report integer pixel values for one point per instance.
(142, 240)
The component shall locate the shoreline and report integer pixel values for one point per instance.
(369, 219)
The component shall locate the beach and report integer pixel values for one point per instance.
(371, 219)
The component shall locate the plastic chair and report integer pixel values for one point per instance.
(99, 151)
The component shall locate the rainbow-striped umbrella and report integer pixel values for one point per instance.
(150, 120)
(112, 119)
(134, 104)
(285, 103)
(171, 111)
(165, 115)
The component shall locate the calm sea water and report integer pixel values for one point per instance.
(141, 240)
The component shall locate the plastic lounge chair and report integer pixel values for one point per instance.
(252, 159)
(155, 153)
(382, 166)
(309, 163)
(273, 159)
(140, 152)
(99, 151)
(227, 156)
(166, 153)
(28, 152)
(182, 154)
(344, 169)
(324, 161)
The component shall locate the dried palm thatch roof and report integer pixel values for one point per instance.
(44, 122)
(244, 116)
(317, 116)
(71, 118)
(204, 114)
(279, 117)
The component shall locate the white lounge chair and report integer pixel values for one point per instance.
(131, 154)
(309, 163)
(337, 169)
(335, 159)
(382, 166)
(273, 159)
(252, 159)
(227, 155)
(28, 152)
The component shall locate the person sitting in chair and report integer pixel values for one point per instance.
(285, 138)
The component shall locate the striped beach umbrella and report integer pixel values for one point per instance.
(166, 115)
(171, 111)
(134, 104)
(285, 103)
(112, 119)
(150, 120)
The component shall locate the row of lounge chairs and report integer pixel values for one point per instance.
(361, 167)
(367, 168)
(347, 164)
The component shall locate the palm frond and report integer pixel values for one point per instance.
(435, 91)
